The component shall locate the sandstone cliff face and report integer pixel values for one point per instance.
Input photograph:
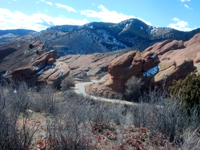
(159, 64)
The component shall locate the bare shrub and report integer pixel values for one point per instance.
(45, 101)
(133, 86)
(12, 105)
(78, 121)
(67, 83)
(69, 127)
(191, 140)
(164, 115)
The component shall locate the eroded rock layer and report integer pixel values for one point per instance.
(159, 64)
(32, 64)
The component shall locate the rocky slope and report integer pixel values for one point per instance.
(159, 64)
(32, 64)
(100, 37)
(27, 61)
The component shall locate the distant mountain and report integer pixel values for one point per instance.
(9, 35)
(105, 37)
(18, 32)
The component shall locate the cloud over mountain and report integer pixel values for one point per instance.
(37, 21)
(106, 15)
(179, 25)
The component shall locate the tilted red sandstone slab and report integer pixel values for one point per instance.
(90, 64)
(30, 62)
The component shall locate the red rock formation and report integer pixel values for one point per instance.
(120, 70)
(31, 63)
(177, 60)
(123, 67)
(50, 61)
(91, 64)
(101, 88)
(54, 75)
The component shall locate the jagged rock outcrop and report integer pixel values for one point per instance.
(177, 59)
(161, 63)
(120, 70)
(54, 74)
(31, 63)
(158, 65)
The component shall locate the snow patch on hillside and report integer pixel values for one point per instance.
(109, 38)
(9, 35)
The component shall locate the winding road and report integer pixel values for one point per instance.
(80, 89)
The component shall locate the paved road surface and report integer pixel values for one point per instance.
(80, 89)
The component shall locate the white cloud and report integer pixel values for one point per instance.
(185, 0)
(37, 21)
(49, 3)
(93, 4)
(179, 25)
(108, 16)
(70, 9)
(187, 6)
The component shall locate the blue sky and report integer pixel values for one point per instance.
(40, 14)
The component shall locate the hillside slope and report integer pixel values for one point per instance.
(105, 37)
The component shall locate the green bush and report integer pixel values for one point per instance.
(188, 90)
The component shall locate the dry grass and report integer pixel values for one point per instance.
(65, 120)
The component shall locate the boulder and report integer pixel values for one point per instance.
(120, 70)
(50, 61)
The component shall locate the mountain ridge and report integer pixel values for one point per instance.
(104, 37)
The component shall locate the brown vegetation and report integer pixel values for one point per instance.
(51, 120)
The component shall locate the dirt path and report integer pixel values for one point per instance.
(80, 89)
